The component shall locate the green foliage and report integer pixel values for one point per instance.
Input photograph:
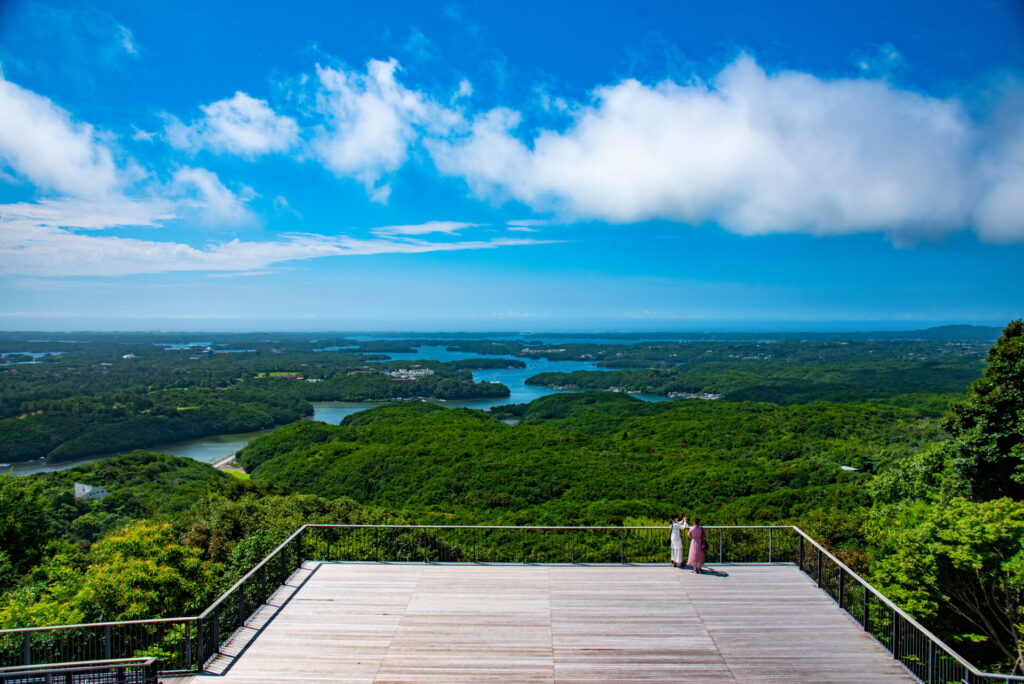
(573, 452)
(986, 449)
(139, 572)
(787, 382)
(24, 527)
(103, 397)
(960, 567)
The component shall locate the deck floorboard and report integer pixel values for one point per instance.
(339, 622)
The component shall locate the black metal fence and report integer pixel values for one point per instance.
(917, 649)
(122, 671)
(187, 644)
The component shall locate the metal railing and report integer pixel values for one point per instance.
(121, 671)
(925, 655)
(188, 643)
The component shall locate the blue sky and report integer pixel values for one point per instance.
(508, 166)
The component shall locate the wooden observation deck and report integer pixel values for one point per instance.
(377, 622)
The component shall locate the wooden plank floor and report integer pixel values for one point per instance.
(340, 622)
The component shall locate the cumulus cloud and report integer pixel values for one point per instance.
(757, 153)
(241, 125)
(40, 143)
(999, 215)
(371, 121)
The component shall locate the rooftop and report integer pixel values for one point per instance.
(377, 622)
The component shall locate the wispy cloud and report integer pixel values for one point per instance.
(32, 245)
(91, 214)
(127, 40)
(447, 227)
(526, 225)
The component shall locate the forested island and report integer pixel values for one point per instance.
(906, 458)
(116, 394)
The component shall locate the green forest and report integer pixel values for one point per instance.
(905, 458)
(108, 396)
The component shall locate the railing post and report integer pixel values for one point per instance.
(622, 541)
(280, 557)
(819, 568)
(188, 645)
(931, 662)
(26, 647)
(241, 605)
(263, 583)
(801, 553)
(298, 547)
(867, 627)
(895, 635)
(522, 545)
(721, 533)
(199, 645)
(106, 642)
(842, 585)
(572, 547)
(216, 630)
(769, 545)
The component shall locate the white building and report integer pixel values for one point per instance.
(84, 491)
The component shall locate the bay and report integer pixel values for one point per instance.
(218, 447)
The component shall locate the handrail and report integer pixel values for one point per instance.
(545, 527)
(79, 665)
(240, 584)
(890, 604)
(97, 624)
(251, 573)
(899, 611)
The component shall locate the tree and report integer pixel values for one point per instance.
(24, 527)
(986, 449)
(960, 567)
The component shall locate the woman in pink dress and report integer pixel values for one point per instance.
(697, 546)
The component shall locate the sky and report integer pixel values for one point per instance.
(681, 165)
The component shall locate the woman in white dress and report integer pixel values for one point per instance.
(676, 540)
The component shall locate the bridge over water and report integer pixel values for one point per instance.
(382, 603)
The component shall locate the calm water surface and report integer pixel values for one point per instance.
(218, 447)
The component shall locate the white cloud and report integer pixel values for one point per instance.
(372, 120)
(241, 125)
(758, 153)
(32, 248)
(214, 203)
(447, 227)
(40, 142)
(999, 215)
(90, 214)
(526, 225)
(127, 40)
(465, 90)
(144, 136)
